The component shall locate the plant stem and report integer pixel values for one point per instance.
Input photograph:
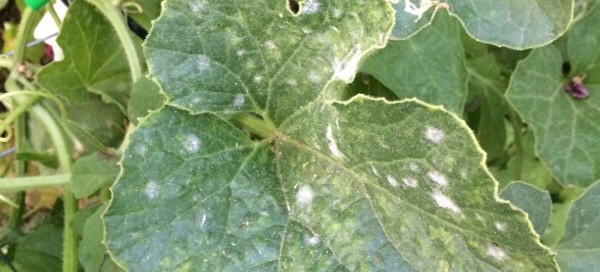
(28, 19)
(118, 22)
(519, 156)
(255, 124)
(52, 11)
(20, 169)
(38, 182)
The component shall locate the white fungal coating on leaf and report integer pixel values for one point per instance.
(257, 79)
(312, 240)
(198, 5)
(152, 190)
(438, 178)
(192, 143)
(346, 69)
(445, 202)
(204, 63)
(501, 226)
(392, 181)
(310, 7)
(434, 135)
(270, 45)
(304, 195)
(413, 167)
(410, 182)
(374, 170)
(496, 252)
(333, 144)
(239, 100)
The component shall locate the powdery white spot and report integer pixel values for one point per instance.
(314, 77)
(434, 135)
(197, 6)
(411, 8)
(239, 100)
(410, 182)
(141, 149)
(257, 79)
(496, 252)
(374, 170)
(463, 173)
(204, 63)
(310, 7)
(313, 240)
(438, 178)
(292, 82)
(501, 226)
(392, 181)
(152, 190)
(346, 69)
(270, 45)
(337, 13)
(192, 143)
(333, 144)
(240, 53)
(304, 195)
(445, 202)
(203, 220)
(413, 167)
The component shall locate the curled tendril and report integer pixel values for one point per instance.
(131, 7)
(6, 126)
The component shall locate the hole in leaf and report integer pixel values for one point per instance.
(566, 68)
(294, 6)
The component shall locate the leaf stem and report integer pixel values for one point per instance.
(114, 17)
(517, 130)
(52, 11)
(254, 124)
(37, 182)
(28, 20)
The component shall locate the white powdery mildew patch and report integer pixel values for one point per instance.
(392, 181)
(312, 240)
(141, 149)
(501, 226)
(438, 178)
(345, 70)
(410, 182)
(152, 190)
(304, 195)
(333, 144)
(496, 252)
(239, 100)
(445, 202)
(198, 5)
(292, 82)
(310, 7)
(435, 135)
(192, 143)
(257, 79)
(204, 63)
(374, 170)
(270, 45)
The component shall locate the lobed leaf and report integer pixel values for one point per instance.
(565, 127)
(579, 248)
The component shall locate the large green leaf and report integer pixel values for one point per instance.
(429, 66)
(95, 61)
(41, 249)
(565, 127)
(305, 183)
(512, 23)
(580, 246)
(93, 78)
(257, 56)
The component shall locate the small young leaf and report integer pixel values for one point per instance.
(535, 202)
(580, 246)
(92, 172)
(92, 252)
(145, 97)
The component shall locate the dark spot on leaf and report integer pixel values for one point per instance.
(294, 6)
(566, 68)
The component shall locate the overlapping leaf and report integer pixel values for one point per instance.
(535, 202)
(360, 185)
(94, 76)
(580, 246)
(565, 127)
(512, 23)
(429, 66)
